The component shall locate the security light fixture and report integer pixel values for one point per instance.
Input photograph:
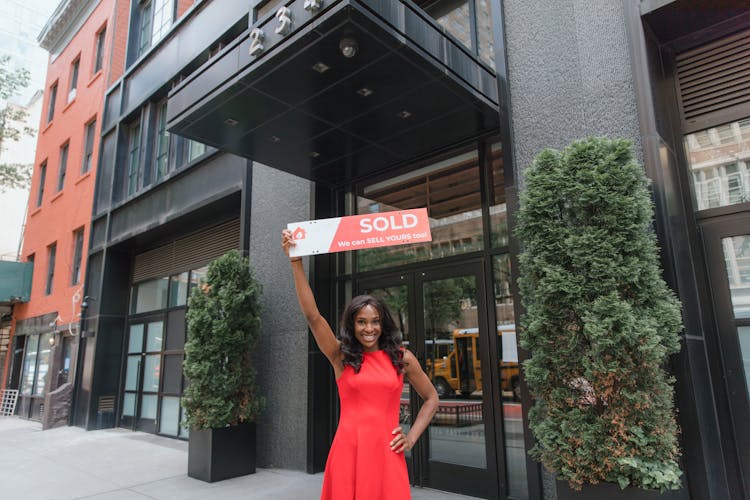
(85, 302)
(403, 114)
(321, 67)
(364, 92)
(348, 47)
(314, 154)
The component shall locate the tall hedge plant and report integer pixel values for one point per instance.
(223, 321)
(600, 321)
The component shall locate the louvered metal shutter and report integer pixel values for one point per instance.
(713, 82)
(191, 252)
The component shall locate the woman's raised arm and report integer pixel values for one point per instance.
(321, 330)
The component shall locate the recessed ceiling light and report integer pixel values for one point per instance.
(364, 92)
(275, 138)
(314, 154)
(231, 122)
(403, 114)
(321, 67)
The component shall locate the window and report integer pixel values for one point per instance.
(720, 176)
(161, 156)
(134, 146)
(99, 51)
(30, 260)
(51, 104)
(74, 78)
(51, 254)
(195, 149)
(77, 256)
(88, 146)
(63, 167)
(42, 180)
(155, 20)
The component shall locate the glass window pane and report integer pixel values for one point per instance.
(135, 342)
(148, 406)
(131, 372)
(457, 433)
(737, 260)
(498, 212)
(151, 372)
(155, 336)
(510, 389)
(450, 190)
(196, 275)
(169, 419)
(453, 16)
(172, 373)
(719, 166)
(178, 286)
(42, 370)
(128, 405)
(151, 295)
(744, 334)
(29, 364)
(484, 33)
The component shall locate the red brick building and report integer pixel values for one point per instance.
(46, 329)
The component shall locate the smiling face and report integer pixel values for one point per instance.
(367, 328)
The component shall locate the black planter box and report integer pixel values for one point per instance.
(217, 454)
(609, 491)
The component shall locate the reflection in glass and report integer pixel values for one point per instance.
(29, 365)
(178, 287)
(450, 190)
(744, 335)
(737, 259)
(719, 159)
(457, 432)
(148, 406)
(155, 336)
(131, 372)
(135, 342)
(169, 419)
(498, 213)
(151, 372)
(196, 275)
(42, 369)
(515, 451)
(128, 405)
(484, 33)
(453, 16)
(150, 295)
(172, 373)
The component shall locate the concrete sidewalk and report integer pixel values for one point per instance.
(118, 464)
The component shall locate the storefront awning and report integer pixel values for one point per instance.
(350, 89)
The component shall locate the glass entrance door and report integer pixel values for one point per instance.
(444, 321)
(727, 243)
(142, 373)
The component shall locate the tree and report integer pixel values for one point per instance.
(12, 175)
(600, 321)
(223, 321)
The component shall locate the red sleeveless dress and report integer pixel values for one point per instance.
(361, 465)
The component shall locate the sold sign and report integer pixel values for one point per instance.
(356, 232)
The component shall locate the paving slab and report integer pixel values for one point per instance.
(69, 463)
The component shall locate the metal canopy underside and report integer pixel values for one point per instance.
(390, 103)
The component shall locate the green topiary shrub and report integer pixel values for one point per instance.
(600, 322)
(223, 321)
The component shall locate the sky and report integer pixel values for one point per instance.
(18, 39)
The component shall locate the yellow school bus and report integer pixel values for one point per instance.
(454, 366)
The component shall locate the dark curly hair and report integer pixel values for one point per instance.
(390, 336)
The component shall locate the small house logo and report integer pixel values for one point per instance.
(299, 234)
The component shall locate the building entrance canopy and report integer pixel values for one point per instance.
(337, 89)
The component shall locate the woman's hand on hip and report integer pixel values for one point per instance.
(400, 442)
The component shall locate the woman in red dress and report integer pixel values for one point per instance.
(366, 460)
